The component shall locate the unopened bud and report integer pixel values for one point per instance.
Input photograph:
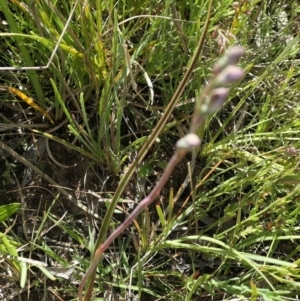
(188, 142)
(231, 58)
(229, 75)
(217, 99)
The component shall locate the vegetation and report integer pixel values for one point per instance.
(90, 116)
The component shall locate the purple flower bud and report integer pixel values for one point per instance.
(229, 75)
(234, 54)
(231, 58)
(211, 103)
(217, 98)
(188, 142)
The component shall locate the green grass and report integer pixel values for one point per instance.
(234, 231)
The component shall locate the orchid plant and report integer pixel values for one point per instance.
(211, 99)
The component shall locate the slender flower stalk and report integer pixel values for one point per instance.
(210, 100)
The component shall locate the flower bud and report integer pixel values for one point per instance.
(188, 142)
(234, 54)
(229, 75)
(217, 98)
(231, 58)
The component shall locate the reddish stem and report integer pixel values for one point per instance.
(148, 200)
